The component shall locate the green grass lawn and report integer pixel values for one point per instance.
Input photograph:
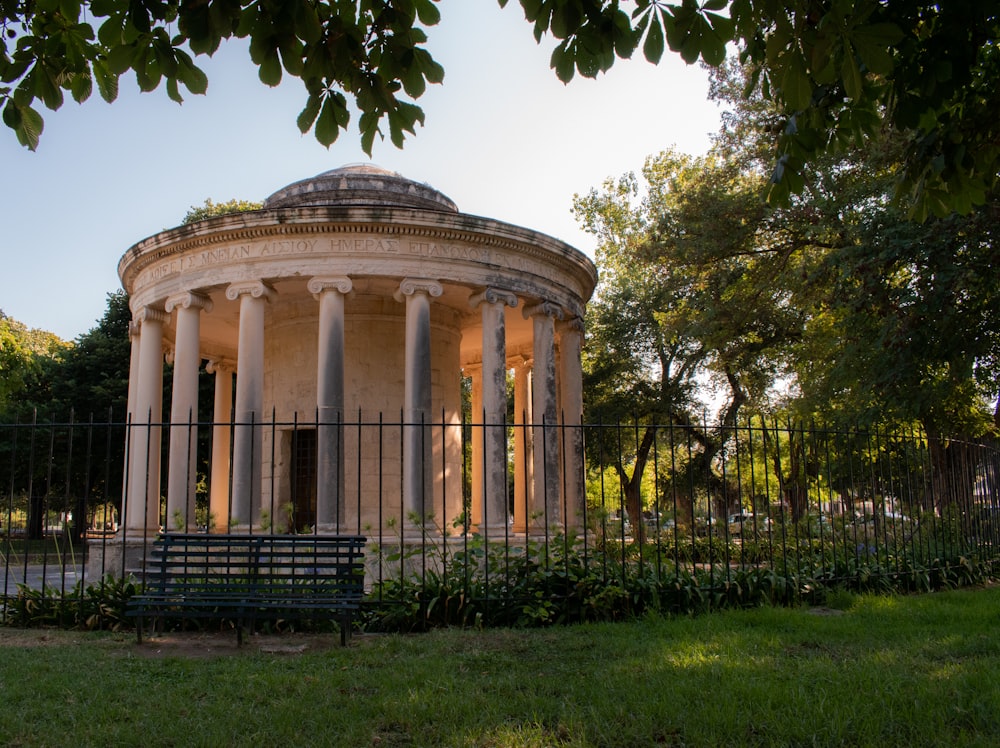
(882, 671)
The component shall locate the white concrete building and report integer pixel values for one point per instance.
(338, 322)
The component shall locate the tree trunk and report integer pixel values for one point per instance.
(953, 472)
(632, 486)
(36, 517)
(792, 480)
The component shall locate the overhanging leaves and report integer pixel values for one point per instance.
(372, 51)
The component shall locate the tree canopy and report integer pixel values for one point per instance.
(836, 70)
(835, 306)
(22, 353)
(89, 375)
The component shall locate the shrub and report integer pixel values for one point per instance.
(99, 606)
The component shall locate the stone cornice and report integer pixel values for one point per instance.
(441, 227)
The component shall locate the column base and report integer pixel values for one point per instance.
(331, 529)
(119, 557)
(493, 532)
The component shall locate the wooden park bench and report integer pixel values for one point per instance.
(248, 578)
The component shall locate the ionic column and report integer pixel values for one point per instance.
(142, 511)
(133, 394)
(475, 373)
(571, 408)
(494, 457)
(545, 428)
(247, 433)
(181, 470)
(418, 467)
(523, 467)
(133, 366)
(218, 492)
(330, 400)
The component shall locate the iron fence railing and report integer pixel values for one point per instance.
(661, 500)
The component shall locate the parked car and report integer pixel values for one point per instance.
(891, 517)
(704, 525)
(744, 522)
(655, 521)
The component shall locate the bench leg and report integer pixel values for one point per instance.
(138, 630)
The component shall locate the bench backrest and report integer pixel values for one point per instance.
(304, 566)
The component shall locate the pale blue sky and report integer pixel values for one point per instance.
(503, 138)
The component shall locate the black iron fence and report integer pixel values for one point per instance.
(694, 509)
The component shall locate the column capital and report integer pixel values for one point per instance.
(187, 300)
(547, 308)
(520, 361)
(411, 286)
(257, 289)
(319, 283)
(573, 324)
(493, 296)
(133, 328)
(151, 314)
(219, 366)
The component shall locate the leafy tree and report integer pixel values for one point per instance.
(65, 434)
(914, 335)
(92, 375)
(22, 352)
(371, 51)
(695, 288)
(859, 314)
(899, 315)
(211, 209)
(836, 70)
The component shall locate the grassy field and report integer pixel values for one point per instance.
(875, 671)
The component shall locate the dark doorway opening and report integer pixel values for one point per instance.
(303, 480)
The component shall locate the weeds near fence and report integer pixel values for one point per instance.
(492, 585)
(99, 606)
(562, 580)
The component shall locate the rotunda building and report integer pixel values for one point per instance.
(341, 323)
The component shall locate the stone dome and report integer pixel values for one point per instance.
(360, 185)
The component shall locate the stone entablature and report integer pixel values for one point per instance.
(281, 244)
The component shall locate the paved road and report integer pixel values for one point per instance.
(34, 574)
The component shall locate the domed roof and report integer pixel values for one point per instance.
(362, 185)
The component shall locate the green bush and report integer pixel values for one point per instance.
(566, 582)
(99, 606)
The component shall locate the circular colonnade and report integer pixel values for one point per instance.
(339, 321)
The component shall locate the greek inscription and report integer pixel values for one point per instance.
(449, 251)
(223, 254)
(368, 245)
(288, 247)
(163, 270)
